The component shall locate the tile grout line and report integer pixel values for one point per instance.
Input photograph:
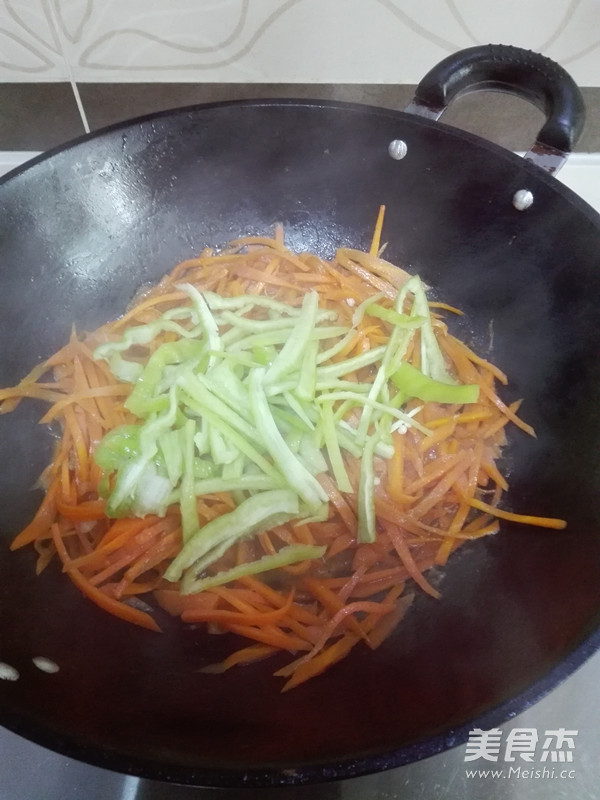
(72, 81)
(79, 103)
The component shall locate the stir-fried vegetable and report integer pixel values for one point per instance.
(272, 444)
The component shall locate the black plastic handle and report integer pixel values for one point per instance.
(520, 72)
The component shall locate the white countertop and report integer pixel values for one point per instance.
(581, 173)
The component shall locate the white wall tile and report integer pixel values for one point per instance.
(30, 46)
(350, 41)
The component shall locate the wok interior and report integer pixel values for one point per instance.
(83, 229)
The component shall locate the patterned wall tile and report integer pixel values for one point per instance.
(30, 43)
(363, 41)
(293, 41)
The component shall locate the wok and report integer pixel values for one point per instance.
(84, 226)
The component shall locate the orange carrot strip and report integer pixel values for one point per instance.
(79, 442)
(525, 519)
(439, 435)
(376, 576)
(226, 618)
(338, 501)
(495, 427)
(30, 390)
(88, 510)
(395, 471)
(330, 628)
(471, 375)
(366, 590)
(385, 626)
(467, 416)
(266, 543)
(175, 603)
(115, 607)
(376, 240)
(167, 547)
(276, 599)
(234, 597)
(343, 541)
(481, 362)
(331, 602)
(124, 557)
(441, 488)
(171, 297)
(271, 635)
(322, 661)
(40, 524)
(121, 530)
(435, 470)
(349, 588)
(490, 468)
(445, 307)
(406, 557)
(304, 534)
(245, 655)
(85, 394)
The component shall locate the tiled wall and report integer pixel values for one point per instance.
(110, 59)
(281, 41)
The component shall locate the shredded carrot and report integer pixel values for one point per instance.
(322, 661)
(525, 519)
(39, 527)
(99, 597)
(245, 655)
(376, 240)
(407, 559)
(441, 486)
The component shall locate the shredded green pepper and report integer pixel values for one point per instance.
(258, 406)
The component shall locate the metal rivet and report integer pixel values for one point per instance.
(45, 664)
(8, 673)
(397, 149)
(522, 199)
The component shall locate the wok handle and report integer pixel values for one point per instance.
(526, 74)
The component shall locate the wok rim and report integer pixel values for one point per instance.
(328, 771)
(496, 150)
(351, 766)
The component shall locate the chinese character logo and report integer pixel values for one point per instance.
(564, 745)
(522, 741)
(521, 744)
(484, 744)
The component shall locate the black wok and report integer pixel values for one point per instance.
(84, 226)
